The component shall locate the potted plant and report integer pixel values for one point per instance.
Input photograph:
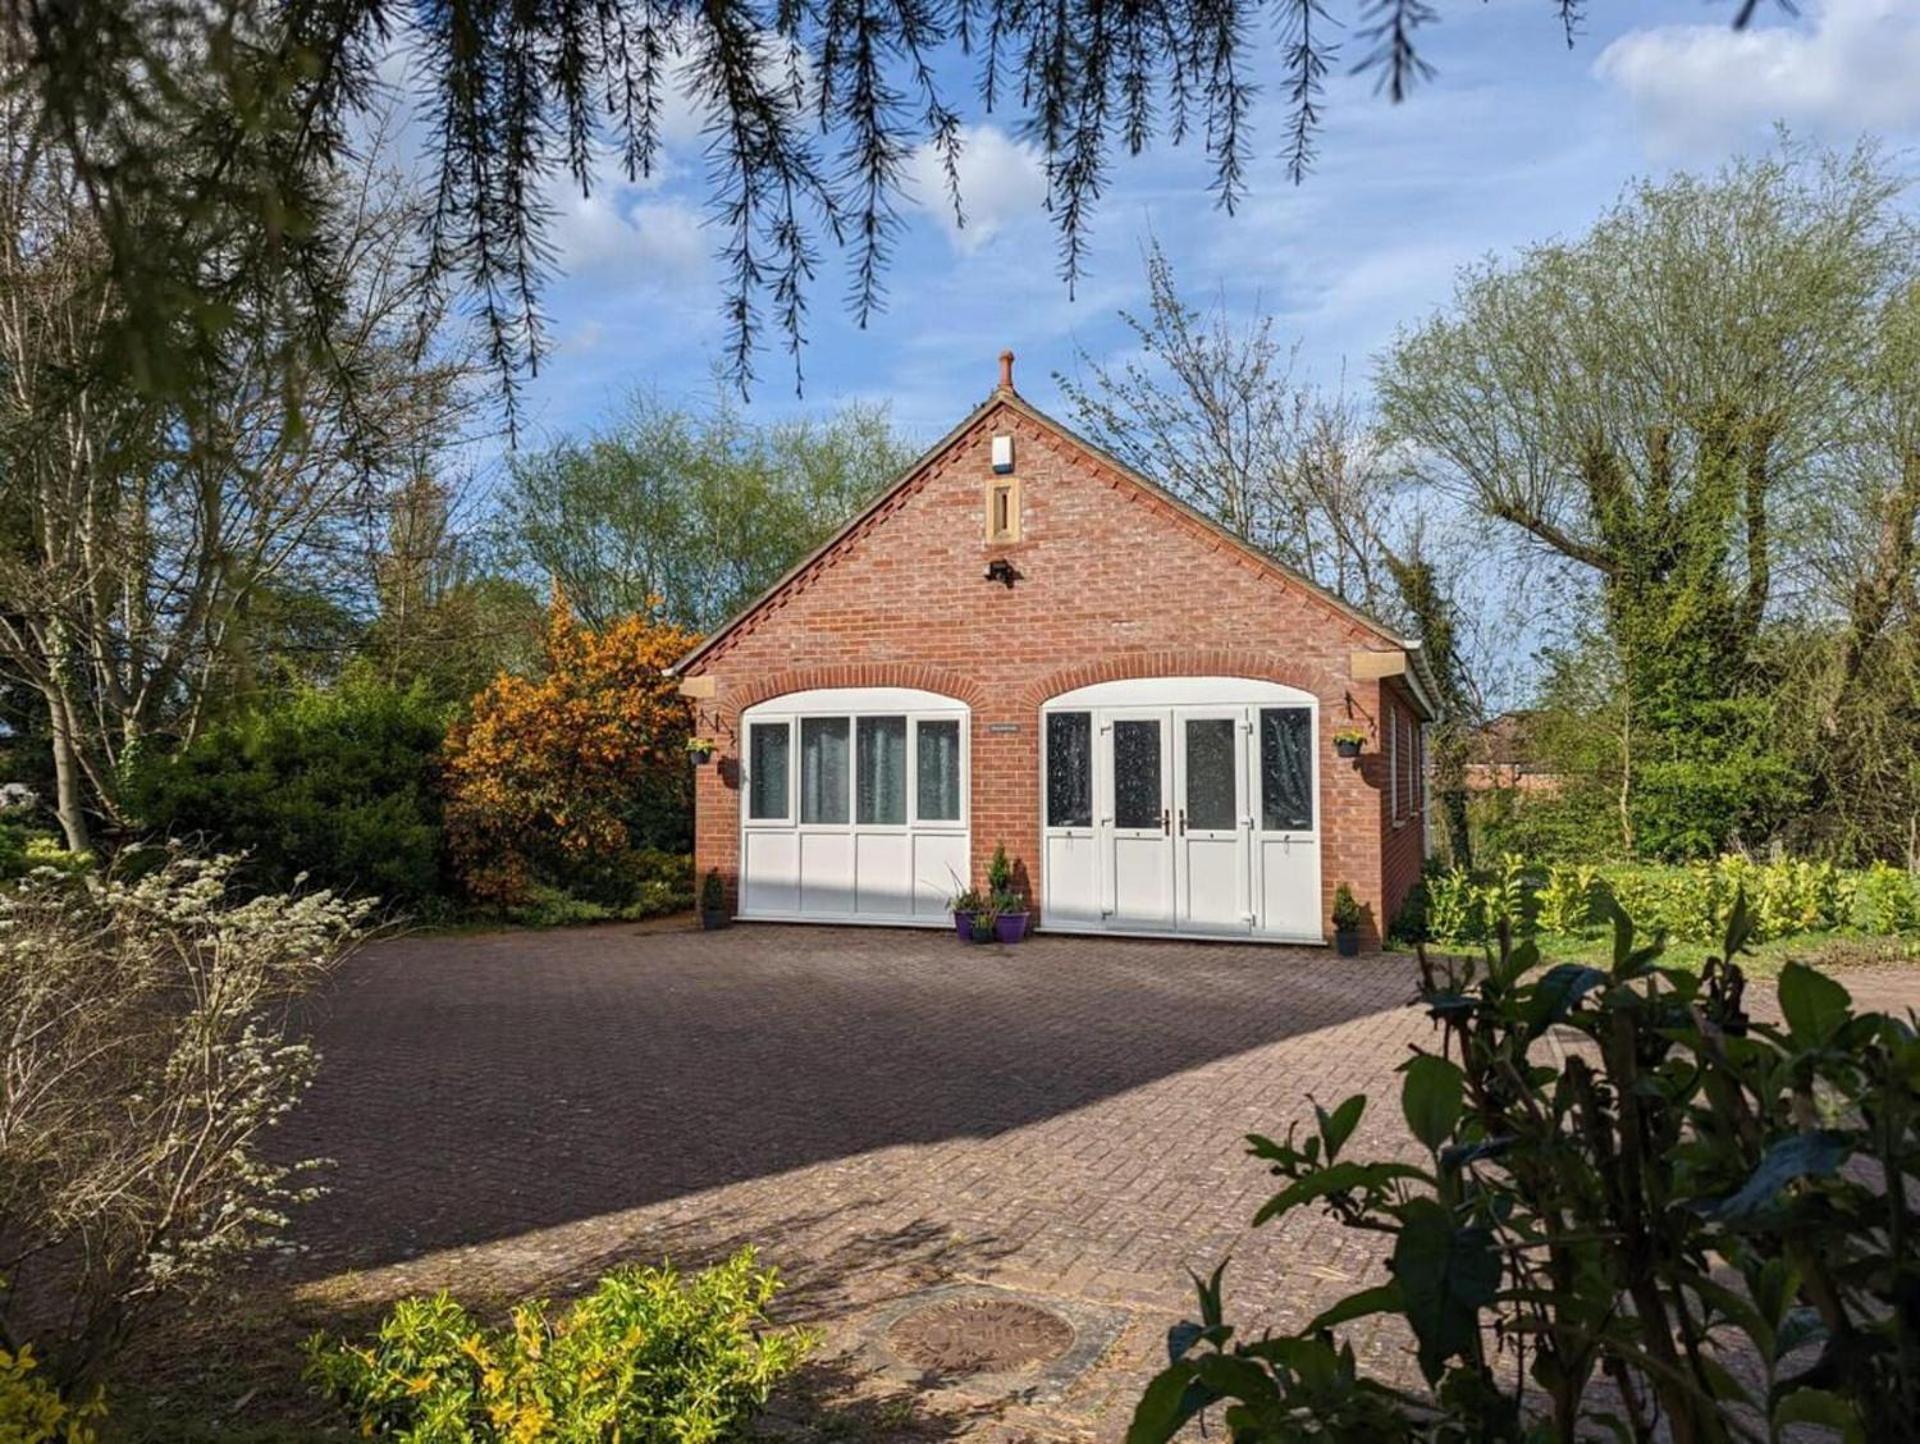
(1010, 907)
(1348, 741)
(700, 749)
(964, 905)
(986, 921)
(713, 901)
(1347, 917)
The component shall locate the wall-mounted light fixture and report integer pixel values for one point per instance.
(1001, 570)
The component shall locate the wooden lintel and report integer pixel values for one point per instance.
(1370, 666)
(699, 689)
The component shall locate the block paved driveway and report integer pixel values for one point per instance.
(878, 1111)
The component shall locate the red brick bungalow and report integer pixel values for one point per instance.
(1023, 641)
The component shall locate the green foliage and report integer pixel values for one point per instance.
(1886, 900)
(1347, 913)
(1566, 899)
(648, 1357)
(339, 785)
(32, 1410)
(1639, 1237)
(24, 849)
(642, 882)
(1690, 904)
(713, 893)
(691, 514)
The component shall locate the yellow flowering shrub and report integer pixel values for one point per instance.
(32, 1410)
(649, 1357)
(548, 778)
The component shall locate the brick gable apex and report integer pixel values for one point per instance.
(1104, 467)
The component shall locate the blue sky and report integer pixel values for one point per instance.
(1517, 139)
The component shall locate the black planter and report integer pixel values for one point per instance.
(701, 755)
(1347, 749)
(713, 921)
(1346, 942)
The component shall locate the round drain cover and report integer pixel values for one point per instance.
(980, 1336)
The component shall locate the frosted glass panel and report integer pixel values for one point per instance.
(882, 759)
(1209, 801)
(939, 771)
(1069, 769)
(767, 762)
(1286, 769)
(1136, 774)
(823, 769)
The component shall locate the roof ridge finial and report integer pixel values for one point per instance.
(1006, 371)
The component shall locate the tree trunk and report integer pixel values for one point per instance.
(69, 803)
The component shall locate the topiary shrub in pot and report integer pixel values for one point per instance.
(1009, 904)
(1347, 917)
(713, 902)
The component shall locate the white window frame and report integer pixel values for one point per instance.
(798, 707)
(1393, 764)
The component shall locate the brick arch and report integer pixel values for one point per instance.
(946, 682)
(1215, 662)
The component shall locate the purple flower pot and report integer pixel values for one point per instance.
(1010, 927)
(963, 926)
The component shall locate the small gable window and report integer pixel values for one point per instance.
(1003, 511)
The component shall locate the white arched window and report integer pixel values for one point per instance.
(853, 805)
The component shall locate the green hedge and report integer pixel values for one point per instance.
(1691, 903)
(338, 785)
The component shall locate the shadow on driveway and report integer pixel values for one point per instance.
(475, 1088)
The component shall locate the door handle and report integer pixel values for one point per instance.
(1166, 821)
(1183, 822)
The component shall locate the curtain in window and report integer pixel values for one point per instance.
(767, 770)
(823, 769)
(938, 765)
(1286, 769)
(881, 780)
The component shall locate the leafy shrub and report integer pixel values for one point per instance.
(145, 1051)
(1566, 900)
(22, 850)
(1687, 1185)
(32, 1410)
(1886, 900)
(339, 786)
(713, 893)
(1347, 913)
(555, 782)
(647, 1357)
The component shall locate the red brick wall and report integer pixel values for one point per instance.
(1113, 583)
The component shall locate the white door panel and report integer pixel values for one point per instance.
(826, 873)
(939, 871)
(770, 874)
(883, 876)
(1073, 879)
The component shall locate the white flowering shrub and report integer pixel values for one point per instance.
(145, 1048)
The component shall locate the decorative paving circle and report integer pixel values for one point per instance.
(980, 1336)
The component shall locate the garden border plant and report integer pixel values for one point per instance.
(1678, 1227)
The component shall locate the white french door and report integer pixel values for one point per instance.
(1176, 826)
(1182, 805)
(1137, 787)
(1211, 822)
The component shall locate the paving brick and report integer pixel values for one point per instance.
(878, 1111)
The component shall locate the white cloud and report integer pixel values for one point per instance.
(1848, 65)
(1001, 181)
(659, 240)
